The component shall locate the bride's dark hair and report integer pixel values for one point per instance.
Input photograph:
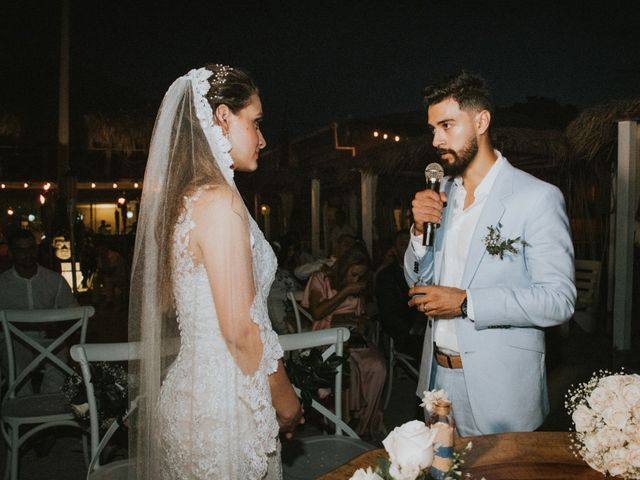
(192, 164)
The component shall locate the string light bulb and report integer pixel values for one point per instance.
(93, 185)
(376, 133)
(26, 185)
(115, 185)
(121, 201)
(385, 136)
(3, 186)
(10, 211)
(397, 138)
(46, 186)
(42, 200)
(136, 185)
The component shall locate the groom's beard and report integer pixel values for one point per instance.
(461, 160)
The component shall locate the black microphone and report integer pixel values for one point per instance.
(433, 174)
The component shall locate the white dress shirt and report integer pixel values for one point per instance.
(46, 289)
(461, 223)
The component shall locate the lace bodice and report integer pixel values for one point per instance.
(206, 377)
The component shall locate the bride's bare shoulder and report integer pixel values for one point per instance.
(219, 199)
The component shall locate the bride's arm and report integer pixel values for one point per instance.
(220, 240)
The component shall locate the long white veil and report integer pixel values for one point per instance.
(184, 132)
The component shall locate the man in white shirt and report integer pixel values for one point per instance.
(500, 270)
(29, 286)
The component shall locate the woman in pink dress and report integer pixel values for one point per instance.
(335, 297)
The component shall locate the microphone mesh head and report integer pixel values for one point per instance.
(434, 172)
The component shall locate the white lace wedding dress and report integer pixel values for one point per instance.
(216, 422)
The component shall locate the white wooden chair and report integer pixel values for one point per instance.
(40, 411)
(321, 453)
(300, 313)
(588, 289)
(84, 354)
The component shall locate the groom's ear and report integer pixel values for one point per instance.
(482, 121)
(221, 116)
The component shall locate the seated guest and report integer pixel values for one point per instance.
(335, 297)
(343, 243)
(398, 320)
(30, 286)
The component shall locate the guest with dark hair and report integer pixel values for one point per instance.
(335, 297)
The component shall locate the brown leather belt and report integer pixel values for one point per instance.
(447, 361)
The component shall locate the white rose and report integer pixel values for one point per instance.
(612, 382)
(406, 473)
(616, 415)
(601, 398)
(431, 397)
(592, 442)
(410, 446)
(633, 454)
(583, 419)
(610, 437)
(631, 394)
(368, 474)
(616, 461)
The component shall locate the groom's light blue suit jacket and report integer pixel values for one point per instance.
(514, 298)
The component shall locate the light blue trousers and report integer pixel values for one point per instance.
(452, 381)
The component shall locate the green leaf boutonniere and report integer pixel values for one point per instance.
(496, 245)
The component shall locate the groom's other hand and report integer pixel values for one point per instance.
(427, 207)
(437, 301)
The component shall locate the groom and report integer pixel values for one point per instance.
(500, 271)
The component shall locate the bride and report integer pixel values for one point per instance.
(212, 393)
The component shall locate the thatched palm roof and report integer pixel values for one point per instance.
(10, 126)
(123, 133)
(593, 134)
(527, 148)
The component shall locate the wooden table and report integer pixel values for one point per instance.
(503, 456)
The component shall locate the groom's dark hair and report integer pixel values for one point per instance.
(468, 89)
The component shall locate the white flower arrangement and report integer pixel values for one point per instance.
(410, 450)
(606, 414)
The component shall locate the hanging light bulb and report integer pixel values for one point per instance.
(375, 133)
(3, 186)
(10, 211)
(396, 138)
(93, 185)
(122, 201)
(42, 200)
(135, 185)
(26, 185)
(115, 185)
(385, 136)
(46, 186)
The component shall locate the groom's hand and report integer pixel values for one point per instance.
(437, 301)
(426, 207)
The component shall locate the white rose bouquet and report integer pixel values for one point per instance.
(606, 414)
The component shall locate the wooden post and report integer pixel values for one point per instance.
(627, 183)
(368, 186)
(315, 217)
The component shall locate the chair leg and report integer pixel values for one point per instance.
(392, 362)
(15, 449)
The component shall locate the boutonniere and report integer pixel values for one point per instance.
(496, 245)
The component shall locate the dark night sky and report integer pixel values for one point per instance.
(319, 61)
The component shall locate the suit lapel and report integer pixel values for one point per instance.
(491, 214)
(449, 188)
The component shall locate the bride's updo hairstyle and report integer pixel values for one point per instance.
(192, 164)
